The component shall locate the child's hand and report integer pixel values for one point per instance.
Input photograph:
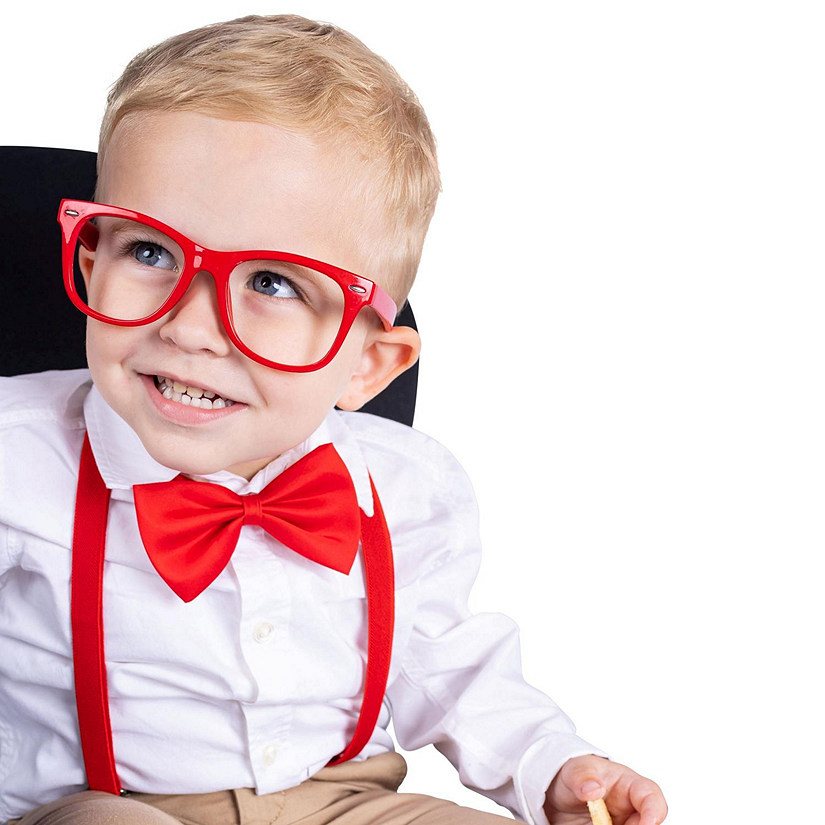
(630, 798)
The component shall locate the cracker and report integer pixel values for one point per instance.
(598, 812)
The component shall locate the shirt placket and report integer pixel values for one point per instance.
(266, 608)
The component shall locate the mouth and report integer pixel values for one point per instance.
(180, 403)
(190, 396)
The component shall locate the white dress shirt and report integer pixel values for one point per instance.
(257, 682)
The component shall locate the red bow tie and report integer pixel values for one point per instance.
(190, 528)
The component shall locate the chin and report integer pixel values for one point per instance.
(198, 465)
(203, 465)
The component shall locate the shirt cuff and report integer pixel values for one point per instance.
(536, 769)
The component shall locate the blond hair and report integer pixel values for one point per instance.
(317, 79)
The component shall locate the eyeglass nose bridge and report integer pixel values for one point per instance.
(202, 261)
(214, 263)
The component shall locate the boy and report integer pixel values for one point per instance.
(234, 676)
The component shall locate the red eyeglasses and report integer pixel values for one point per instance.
(282, 310)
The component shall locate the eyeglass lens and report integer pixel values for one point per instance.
(285, 312)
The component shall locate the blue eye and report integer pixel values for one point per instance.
(270, 283)
(153, 254)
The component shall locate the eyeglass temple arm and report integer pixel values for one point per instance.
(89, 235)
(384, 306)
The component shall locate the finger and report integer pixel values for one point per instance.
(647, 798)
(588, 778)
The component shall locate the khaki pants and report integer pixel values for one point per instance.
(353, 793)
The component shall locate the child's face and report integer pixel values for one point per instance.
(229, 185)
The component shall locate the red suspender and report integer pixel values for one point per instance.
(378, 572)
(88, 548)
(91, 513)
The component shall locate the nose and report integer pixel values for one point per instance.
(194, 324)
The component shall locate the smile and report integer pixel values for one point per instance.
(190, 396)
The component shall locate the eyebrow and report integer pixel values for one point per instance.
(116, 224)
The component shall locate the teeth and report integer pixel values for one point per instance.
(190, 396)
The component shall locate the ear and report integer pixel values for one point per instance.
(386, 354)
(85, 260)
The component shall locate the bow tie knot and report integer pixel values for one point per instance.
(190, 528)
(253, 509)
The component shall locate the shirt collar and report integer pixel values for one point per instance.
(123, 461)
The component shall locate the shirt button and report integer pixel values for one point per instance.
(268, 755)
(262, 632)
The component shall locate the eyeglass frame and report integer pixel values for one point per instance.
(359, 292)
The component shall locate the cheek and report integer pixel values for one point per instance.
(302, 400)
(295, 394)
(99, 344)
(107, 346)
(310, 390)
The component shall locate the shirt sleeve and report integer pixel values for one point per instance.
(460, 686)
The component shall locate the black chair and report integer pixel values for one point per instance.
(41, 329)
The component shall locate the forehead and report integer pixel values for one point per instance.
(235, 184)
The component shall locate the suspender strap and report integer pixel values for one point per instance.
(88, 549)
(378, 570)
(91, 515)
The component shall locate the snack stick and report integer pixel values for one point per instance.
(598, 812)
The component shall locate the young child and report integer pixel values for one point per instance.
(242, 631)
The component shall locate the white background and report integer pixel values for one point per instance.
(620, 302)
